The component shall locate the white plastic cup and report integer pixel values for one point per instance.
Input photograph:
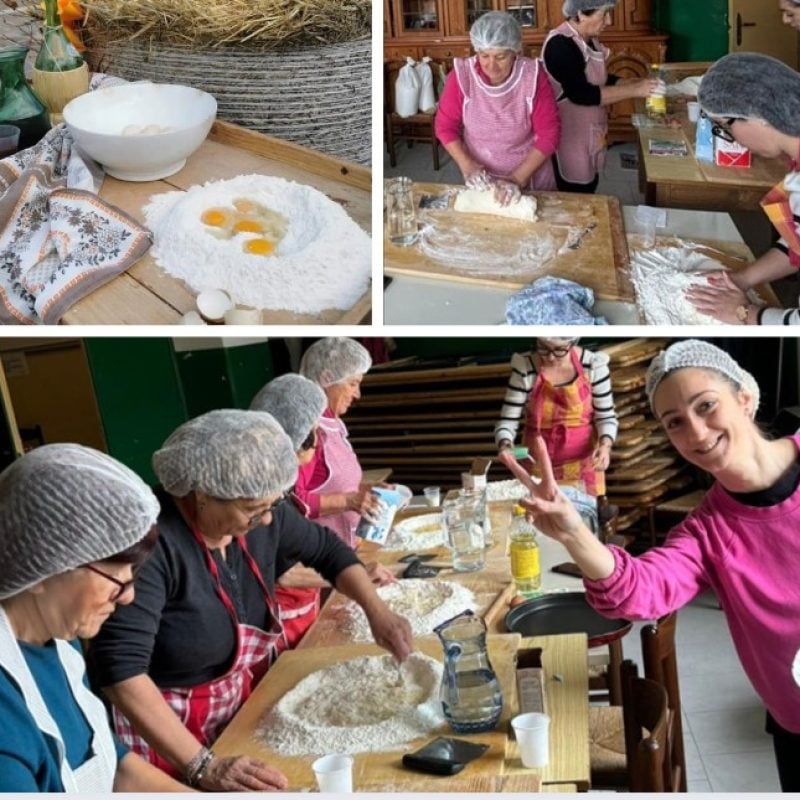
(532, 732)
(432, 495)
(693, 110)
(334, 773)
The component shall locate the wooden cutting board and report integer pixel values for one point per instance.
(369, 768)
(642, 486)
(627, 378)
(634, 351)
(330, 629)
(487, 784)
(644, 469)
(496, 251)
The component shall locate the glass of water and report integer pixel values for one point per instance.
(464, 534)
(401, 218)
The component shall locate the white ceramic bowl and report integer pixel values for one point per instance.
(141, 131)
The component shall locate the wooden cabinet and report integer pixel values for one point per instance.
(440, 28)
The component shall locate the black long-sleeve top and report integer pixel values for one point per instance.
(564, 61)
(177, 630)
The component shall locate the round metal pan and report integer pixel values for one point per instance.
(569, 612)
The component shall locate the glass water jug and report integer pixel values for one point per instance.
(470, 693)
(401, 218)
(18, 104)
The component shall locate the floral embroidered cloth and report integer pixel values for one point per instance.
(58, 240)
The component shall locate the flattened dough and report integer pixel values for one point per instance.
(481, 201)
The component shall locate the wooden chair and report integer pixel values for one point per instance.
(646, 714)
(608, 752)
(416, 128)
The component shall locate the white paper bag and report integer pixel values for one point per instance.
(406, 90)
(427, 100)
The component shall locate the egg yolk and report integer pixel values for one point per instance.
(214, 217)
(259, 247)
(248, 226)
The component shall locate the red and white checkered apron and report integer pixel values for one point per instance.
(298, 607)
(563, 416)
(207, 708)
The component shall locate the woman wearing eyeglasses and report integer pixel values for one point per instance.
(576, 62)
(755, 100)
(179, 661)
(564, 392)
(74, 526)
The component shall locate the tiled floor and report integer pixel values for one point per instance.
(723, 719)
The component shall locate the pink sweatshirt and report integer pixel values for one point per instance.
(751, 558)
(312, 475)
(545, 121)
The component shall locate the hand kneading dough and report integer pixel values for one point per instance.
(479, 201)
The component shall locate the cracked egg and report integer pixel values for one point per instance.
(256, 229)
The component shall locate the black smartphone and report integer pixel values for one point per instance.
(568, 568)
(444, 756)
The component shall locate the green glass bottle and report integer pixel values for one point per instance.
(60, 73)
(19, 105)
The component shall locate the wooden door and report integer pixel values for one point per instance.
(755, 27)
(418, 18)
(638, 14)
(532, 15)
(462, 13)
(387, 20)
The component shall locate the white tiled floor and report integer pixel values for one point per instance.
(727, 749)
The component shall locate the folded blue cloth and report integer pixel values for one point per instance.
(552, 301)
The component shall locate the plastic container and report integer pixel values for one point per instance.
(704, 139)
(390, 501)
(656, 103)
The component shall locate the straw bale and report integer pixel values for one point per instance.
(316, 96)
(218, 23)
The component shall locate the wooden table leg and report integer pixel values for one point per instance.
(614, 676)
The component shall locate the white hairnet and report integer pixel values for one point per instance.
(64, 505)
(753, 86)
(572, 7)
(227, 454)
(334, 360)
(567, 341)
(296, 403)
(699, 355)
(496, 30)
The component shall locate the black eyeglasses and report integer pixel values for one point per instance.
(558, 352)
(122, 586)
(722, 130)
(255, 520)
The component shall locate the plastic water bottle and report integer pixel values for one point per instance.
(704, 140)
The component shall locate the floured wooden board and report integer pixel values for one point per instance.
(486, 784)
(146, 294)
(578, 237)
(330, 627)
(368, 768)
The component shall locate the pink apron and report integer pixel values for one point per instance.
(207, 708)
(497, 119)
(581, 150)
(563, 416)
(344, 476)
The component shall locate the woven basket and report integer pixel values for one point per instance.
(317, 96)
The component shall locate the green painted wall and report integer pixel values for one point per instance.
(139, 396)
(698, 29)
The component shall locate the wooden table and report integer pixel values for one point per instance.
(145, 294)
(568, 707)
(576, 237)
(684, 182)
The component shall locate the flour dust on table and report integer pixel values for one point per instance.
(367, 704)
(268, 242)
(423, 532)
(424, 603)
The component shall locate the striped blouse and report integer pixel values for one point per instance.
(523, 375)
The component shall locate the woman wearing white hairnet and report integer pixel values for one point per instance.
(297, 404)
(331, 484)
(577, 65)
(497, 116)
(565, 393)
(755, 100)
(790, 13)
(74, 526)
(179, 661)
(742, 541)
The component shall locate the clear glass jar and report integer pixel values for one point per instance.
(401, 218)
(464, 534)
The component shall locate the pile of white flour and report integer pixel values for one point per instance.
(662, 275)
(322, 263)
(417, 533)
(505, 490)
(364, 705)
(424, 603)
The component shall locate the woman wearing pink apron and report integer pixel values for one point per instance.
(576, 63)
(497, 116)
(203, 627)
(565, 393)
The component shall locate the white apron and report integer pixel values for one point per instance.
(95, 775)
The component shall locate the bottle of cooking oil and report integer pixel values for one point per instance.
(525, 567)
(656, 103)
